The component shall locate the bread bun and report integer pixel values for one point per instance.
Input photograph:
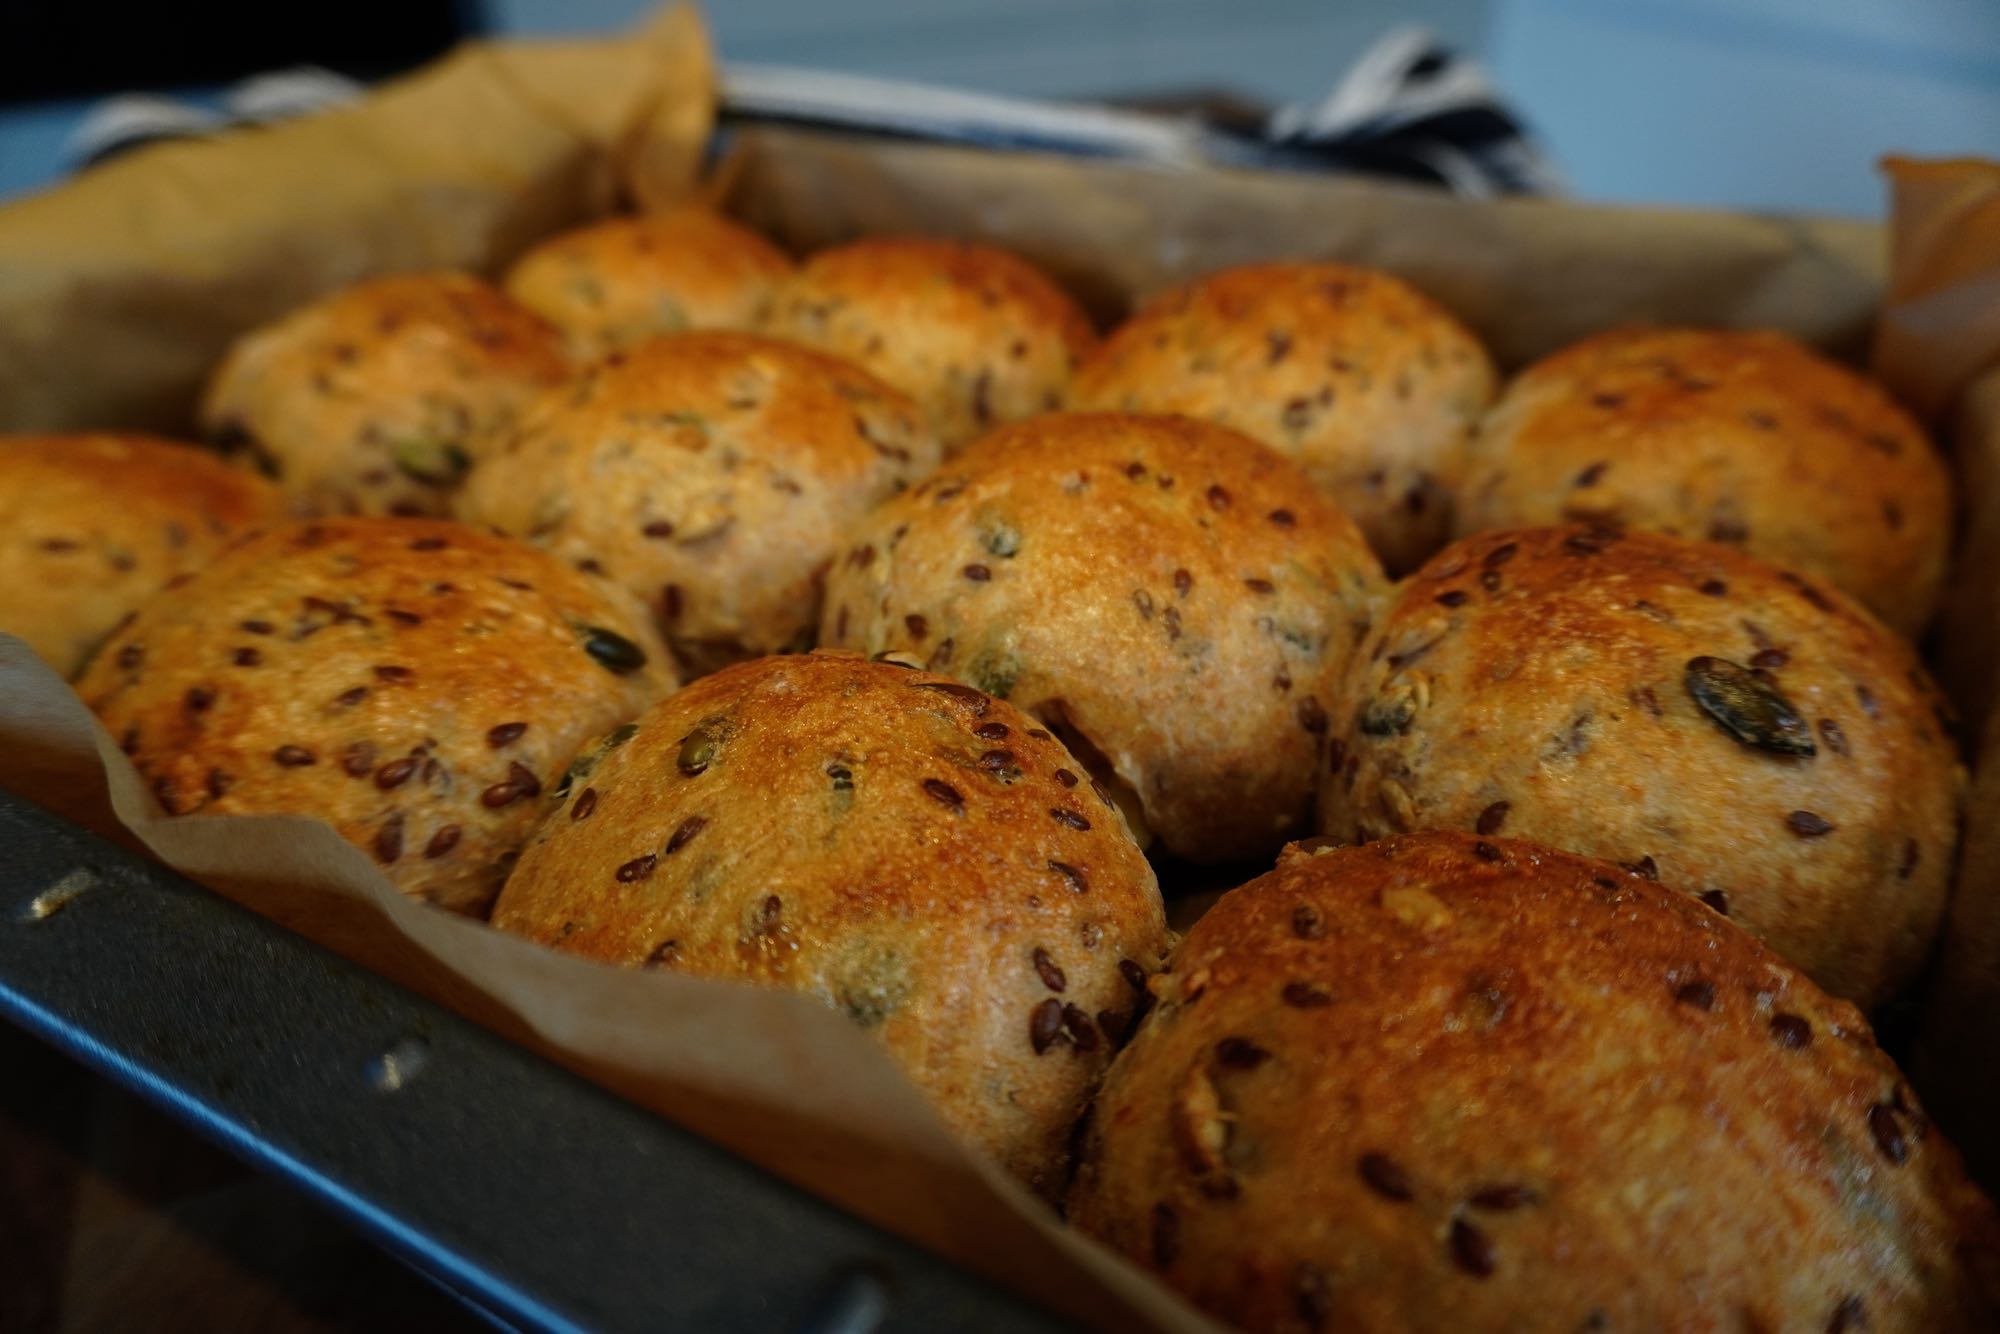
(412, 682)
(613, 283)
(888, 841)
(1445, 1083)
(1367, 383)
(1744, 438)
(975, 334)
(376, 398)
(95, 524)
(1172, 598)
(712, 475)
(1742, 733)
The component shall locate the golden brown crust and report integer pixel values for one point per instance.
(886, 840)
(1369, 384)
(711, 474)
(1544, 682)
(93, 525)
(1745, 438)
(613, 283)
(975, 334)
(412, 682)
(1173, 597)
(374, 399)
(1439, 1082)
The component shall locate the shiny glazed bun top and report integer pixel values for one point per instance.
(1442, 1083)
(1749, 439)
(712, 475)
(617, 282)
(93, 525)
(977, 335)
(906, 849)
(1738, 731)
(376, 398)
(1173, 599)
(414, 683)
(1370, 385)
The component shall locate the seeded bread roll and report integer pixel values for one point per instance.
(1744, 438)
(615, 282)
(889, 841)
(1439, 1083)
(975, 334)
(94, 525)
(1734, 730)
(711, 474)
(375, 399)
(1174, 599)
(411, 682)
(1369, 384)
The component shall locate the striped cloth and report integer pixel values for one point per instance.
(1408, 108)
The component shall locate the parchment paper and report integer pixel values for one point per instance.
(776, 1077)
(1528, 275)
(119, 290)
(1940, 343)
(115, 292)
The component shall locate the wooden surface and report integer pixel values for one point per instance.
(113, 1219)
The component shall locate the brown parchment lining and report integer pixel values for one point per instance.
(771, 1075)
(1939, 343)
(118, 290)
(1527, 275)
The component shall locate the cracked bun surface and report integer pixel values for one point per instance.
(97, 523)
(1172, 598)
(376, 398)
(1441, 1082)
(414, 683)
(1746, 438)
(1740, 732)
(976, 334)
(712, 475)
(617, 282)
(891, 842)
(1370, 385)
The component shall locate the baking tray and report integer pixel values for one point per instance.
(537, 1200)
